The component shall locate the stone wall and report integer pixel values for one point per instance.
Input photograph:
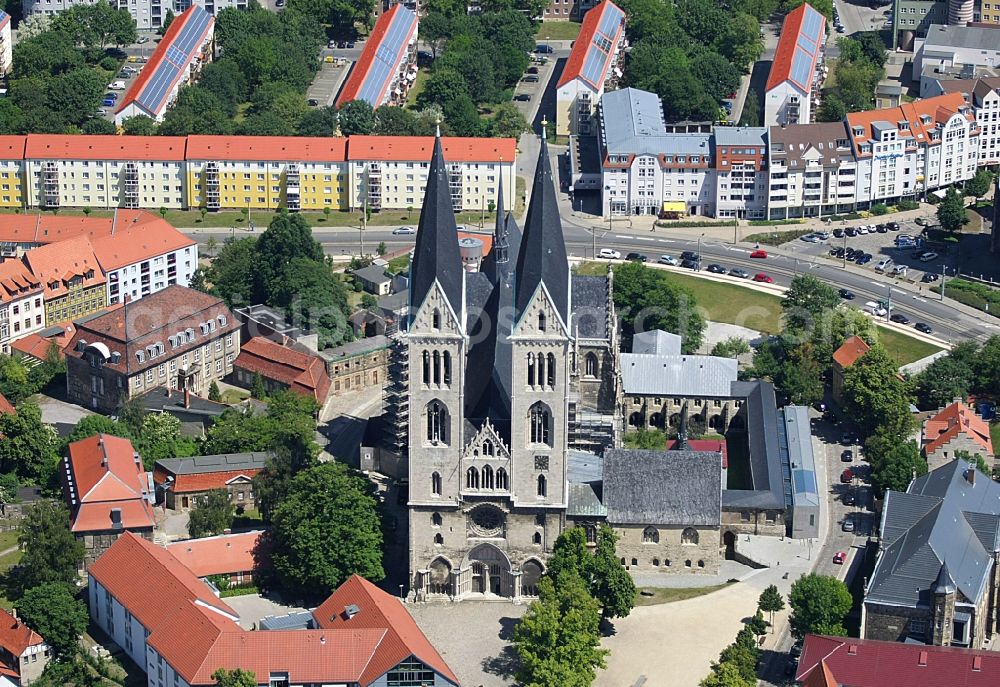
(350, 374)
(946, 453)
(661, 548)
(770, 523)
(892, 623)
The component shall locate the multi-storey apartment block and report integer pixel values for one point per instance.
(388, 63)
(21, 309)
(72, 278)
(788, 96)
(593, 67)
(148, 14)
(811, 170)
(104, 171)
(984, 96)
(6, 46)
(740, 172)
(176, 62)
(178, 337)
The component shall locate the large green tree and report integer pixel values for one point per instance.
(611, 584)
(944, 380)
(325, 529)
(287, 237)
(53, 610)
(212, 514)
(894, 461)
(875, 396)
(951, 211)
(237, 677)
(28, 446)
(356, 117)
(979, 185)
(647, 299)
(807, 301)
(233, 270)
(558, 640)
(819, 605)
(726, 675)
(51, 552)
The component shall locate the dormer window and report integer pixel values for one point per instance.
(858, 131)
(172, 340)
(222, 320)
(140, 356)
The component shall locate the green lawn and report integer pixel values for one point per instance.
(8, 539)
(662, 595)
(995, 433)
(231, 396)
(776, 238)
(905, 349)
(557, 31)
(418, 86)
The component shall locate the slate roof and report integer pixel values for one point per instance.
(942, 519)
(663, 487)
(677, 375)
(372, 273)
(871, 663)
(656, 342)
(542, 258)
(223, 462)
(590, 306)
(947, 38)
(632, 123)
(436, 256)
(760, 412)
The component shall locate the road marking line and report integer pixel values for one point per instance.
(643, 238)
(879, 284)
(622, 236)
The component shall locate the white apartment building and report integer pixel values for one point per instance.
(811, 171)
(104, 171)
(593, 67)
(740, 155)
(6, 46)
(795, 71)
(644, 167)
(22, 311)
(148, 14)
(984, 96)
(392, 173)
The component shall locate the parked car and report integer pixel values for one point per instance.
(108, 102)
(930, 277)
(837, 252)
(690, 255)
(848, 438)
(893, 226)
(810, 238)
(848, 525)
(101, 112)
(312, 102)
(404, 230)
(761, 254)
(847, 456)
(839, 558)
(846, 295)
(862, 230)
(848, 498)
(740, 273)
(838, 233)
(143, 39)
(928, 256)
(522, 98)
(668, 260)
(761, 277)
(689, 264)
(716, 268)
(876, 309)
(923, 327)
(350, 44)
(881, 228)
(636, 257)
(331, 44)
(610, 254)
(532, 70)
(899, 318)
(851, 231)
(900, 270)
(544, 49)
(883, 264)
(531, 78)
(865, 259)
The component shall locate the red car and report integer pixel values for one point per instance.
(759, 254)
(846, 476)
(839, 557)
(760, 276)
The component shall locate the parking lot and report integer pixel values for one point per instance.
(328, 80)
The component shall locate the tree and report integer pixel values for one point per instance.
(833, 109)
(286, 238)
(741, 41)
(101, 127)
(234, 678)
(979, 185)
(139, 125)
(807, 301)
(507, 122)
(356, 117)
(212, 514)
(872, 47)
(944, 380)
(646, 299)
(257, 389)
(434, 31)
(986, 367)
(213, 392)
(46, 55)
(726, 675)
(232, 271)
(717, 76)
(168, 19)
(316, 298)
(326, 529)
(444, 86)
(771, 602)
(951, 211)
(874, 395)
(733, 347)
(757, 623)
(558, 641)
(53, 611)
(394, 121)
(819, 606)
(51, 552)
(751, 109)
(894, 461)
(159, 436)
(742, 654)
(224, 79)
(29, 446)
(319, 121)
(611, 585)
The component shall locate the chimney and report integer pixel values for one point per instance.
(922, 659)
(116, 518)
(187, 398)
(136, 458)
(970, 474)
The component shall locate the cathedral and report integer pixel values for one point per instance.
(508, 368)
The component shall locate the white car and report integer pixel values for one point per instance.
(899, 270)
(101, 112)
(883, 265)
(928, 256)
(404, 230)
(116, 86)
(875, 309)
(668, 260)
(609, 253)
(863, 229)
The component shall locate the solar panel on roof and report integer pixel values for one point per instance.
(802, 66)
(610, 21)
(811, 23)
(806, 44)
(387, 57)
(176, 57)
(805, 481)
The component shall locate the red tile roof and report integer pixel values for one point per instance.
(956, 419)
(709, 445)
(419, 148)
(870, 663)
(276, 148)
(186, 484)
(585, 43)
(44, 229)
(12, 147)
(100, 147)
(196, 634)
(923, 117)
(15, 636)
(850, 351)
(228, 553)
(152, 320)
(128, 244)
(792, 37)
(56, 264)
(376, 43)
(105, 473)
(6, 406)
(298, 371)
(380, 610)
(17, 281)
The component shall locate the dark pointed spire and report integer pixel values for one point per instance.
(436, 256)
(682, 431)
(542, 256)
(944, 583)
(499, 252)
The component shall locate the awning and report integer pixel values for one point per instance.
(674, 206)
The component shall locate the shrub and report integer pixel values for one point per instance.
(879, 209)
(109, 64)
(907, 205)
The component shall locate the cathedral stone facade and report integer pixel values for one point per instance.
(506, 368)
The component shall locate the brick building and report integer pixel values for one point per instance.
(108, 492)
(177, 337)
(956, 428)
(282, 367)
(180, 482)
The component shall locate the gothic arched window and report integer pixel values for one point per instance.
(502, 483)
(426, 367)
(436, 319)
(487, 477)
(437, 367)
(472, 478)
(590, 365)
(531, 369)
(541, 322)
(487, 448)
(543, 487)
(447, 368)
(550, 370)
(435, 484)
(540, 421)
(650, 535)
(437, 422)
(689, 536)
(435, 520)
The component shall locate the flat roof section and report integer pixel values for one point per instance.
(591, 56)
(180, 45)
(380, 58)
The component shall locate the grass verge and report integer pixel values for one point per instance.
(903, 348)
(995, 433)
(669, 595)
(231, 396)
(557, 31)
(776, 238)
(417, 87)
